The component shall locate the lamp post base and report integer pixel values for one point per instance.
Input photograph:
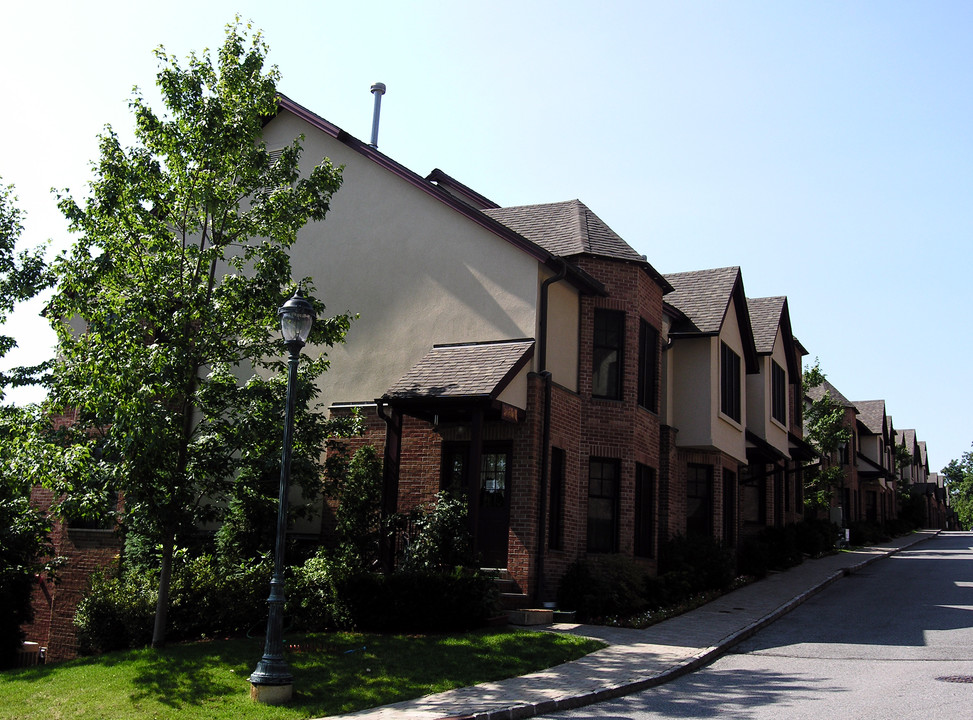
(271, 694)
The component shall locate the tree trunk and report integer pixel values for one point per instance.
(162, 605)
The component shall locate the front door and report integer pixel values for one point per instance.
(493, 498)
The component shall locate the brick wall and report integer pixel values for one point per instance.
(581, 426)
(85, 552)
(618, 429)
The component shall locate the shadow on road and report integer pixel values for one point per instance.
(716, 693)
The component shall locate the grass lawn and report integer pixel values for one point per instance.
(333, 673)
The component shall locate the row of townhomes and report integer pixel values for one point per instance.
(588, 403)
(877, 461)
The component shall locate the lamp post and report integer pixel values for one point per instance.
(272, 682)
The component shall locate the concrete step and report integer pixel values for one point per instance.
(531, 616)
(513, 600)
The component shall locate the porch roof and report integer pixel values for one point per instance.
(466, 371)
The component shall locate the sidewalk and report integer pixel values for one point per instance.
(640, 659)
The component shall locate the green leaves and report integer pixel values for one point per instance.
(959, 485)
(825, 430)
(169, 354)
(23, 274)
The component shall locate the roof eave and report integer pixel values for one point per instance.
(582, 280)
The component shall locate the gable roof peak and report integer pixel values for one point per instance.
(566, 228)
(826, 388)
(703, 296)
(766, 317)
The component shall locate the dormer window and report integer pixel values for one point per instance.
(730, 393)
(778, 387)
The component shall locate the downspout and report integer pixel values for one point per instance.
(390, 483)
(546, 430)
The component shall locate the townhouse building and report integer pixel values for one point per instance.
(529, 358)
(846, 501)
(512, 353)
(876, 461)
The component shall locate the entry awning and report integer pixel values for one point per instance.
(761, 451)
(453, 380)
(801, 449)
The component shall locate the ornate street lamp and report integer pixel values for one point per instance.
(272, 682)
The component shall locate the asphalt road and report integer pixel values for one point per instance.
(893, 641)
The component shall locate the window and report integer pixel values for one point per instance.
(648, 366)
(555, 531)
(778, 387)
(606, 372)
(603, 505)
(493, 479)
(644, 511)
(699, 500)
(729, 382)
(494, 472)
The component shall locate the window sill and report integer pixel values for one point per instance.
(730, 421)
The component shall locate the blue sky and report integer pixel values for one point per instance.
(823, 147)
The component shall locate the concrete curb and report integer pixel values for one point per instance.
(705, 657)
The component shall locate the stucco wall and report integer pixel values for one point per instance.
(415, 271)
(760, 398)
(692, 376)
(564, 307)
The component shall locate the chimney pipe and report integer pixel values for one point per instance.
(378, 89)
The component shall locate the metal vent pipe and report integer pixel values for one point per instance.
(378, 89)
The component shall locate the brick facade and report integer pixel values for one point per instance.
(581, 427)
(85, 552)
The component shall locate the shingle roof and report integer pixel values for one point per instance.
(463, 371)
(872, 414)
(565, 229)
(906, 437)
(816, 393)
(765, 314)
(703, 296)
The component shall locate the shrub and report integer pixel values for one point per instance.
(210, 599)
(609, 585)
(419, 601)
(913, 513)
(206, 600)
(782, 545)
(754, 557)
(313, 602)
(116, 613)
(439, 540)
(709, 564)
(817, 537)
(359, 509)
(779, 548)
(866, 533)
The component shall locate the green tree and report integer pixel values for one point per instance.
(959, 484)
(358, 512)
(824, 429)
(902, 458)
(165, 306)
(25, 547)
(23, 274)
